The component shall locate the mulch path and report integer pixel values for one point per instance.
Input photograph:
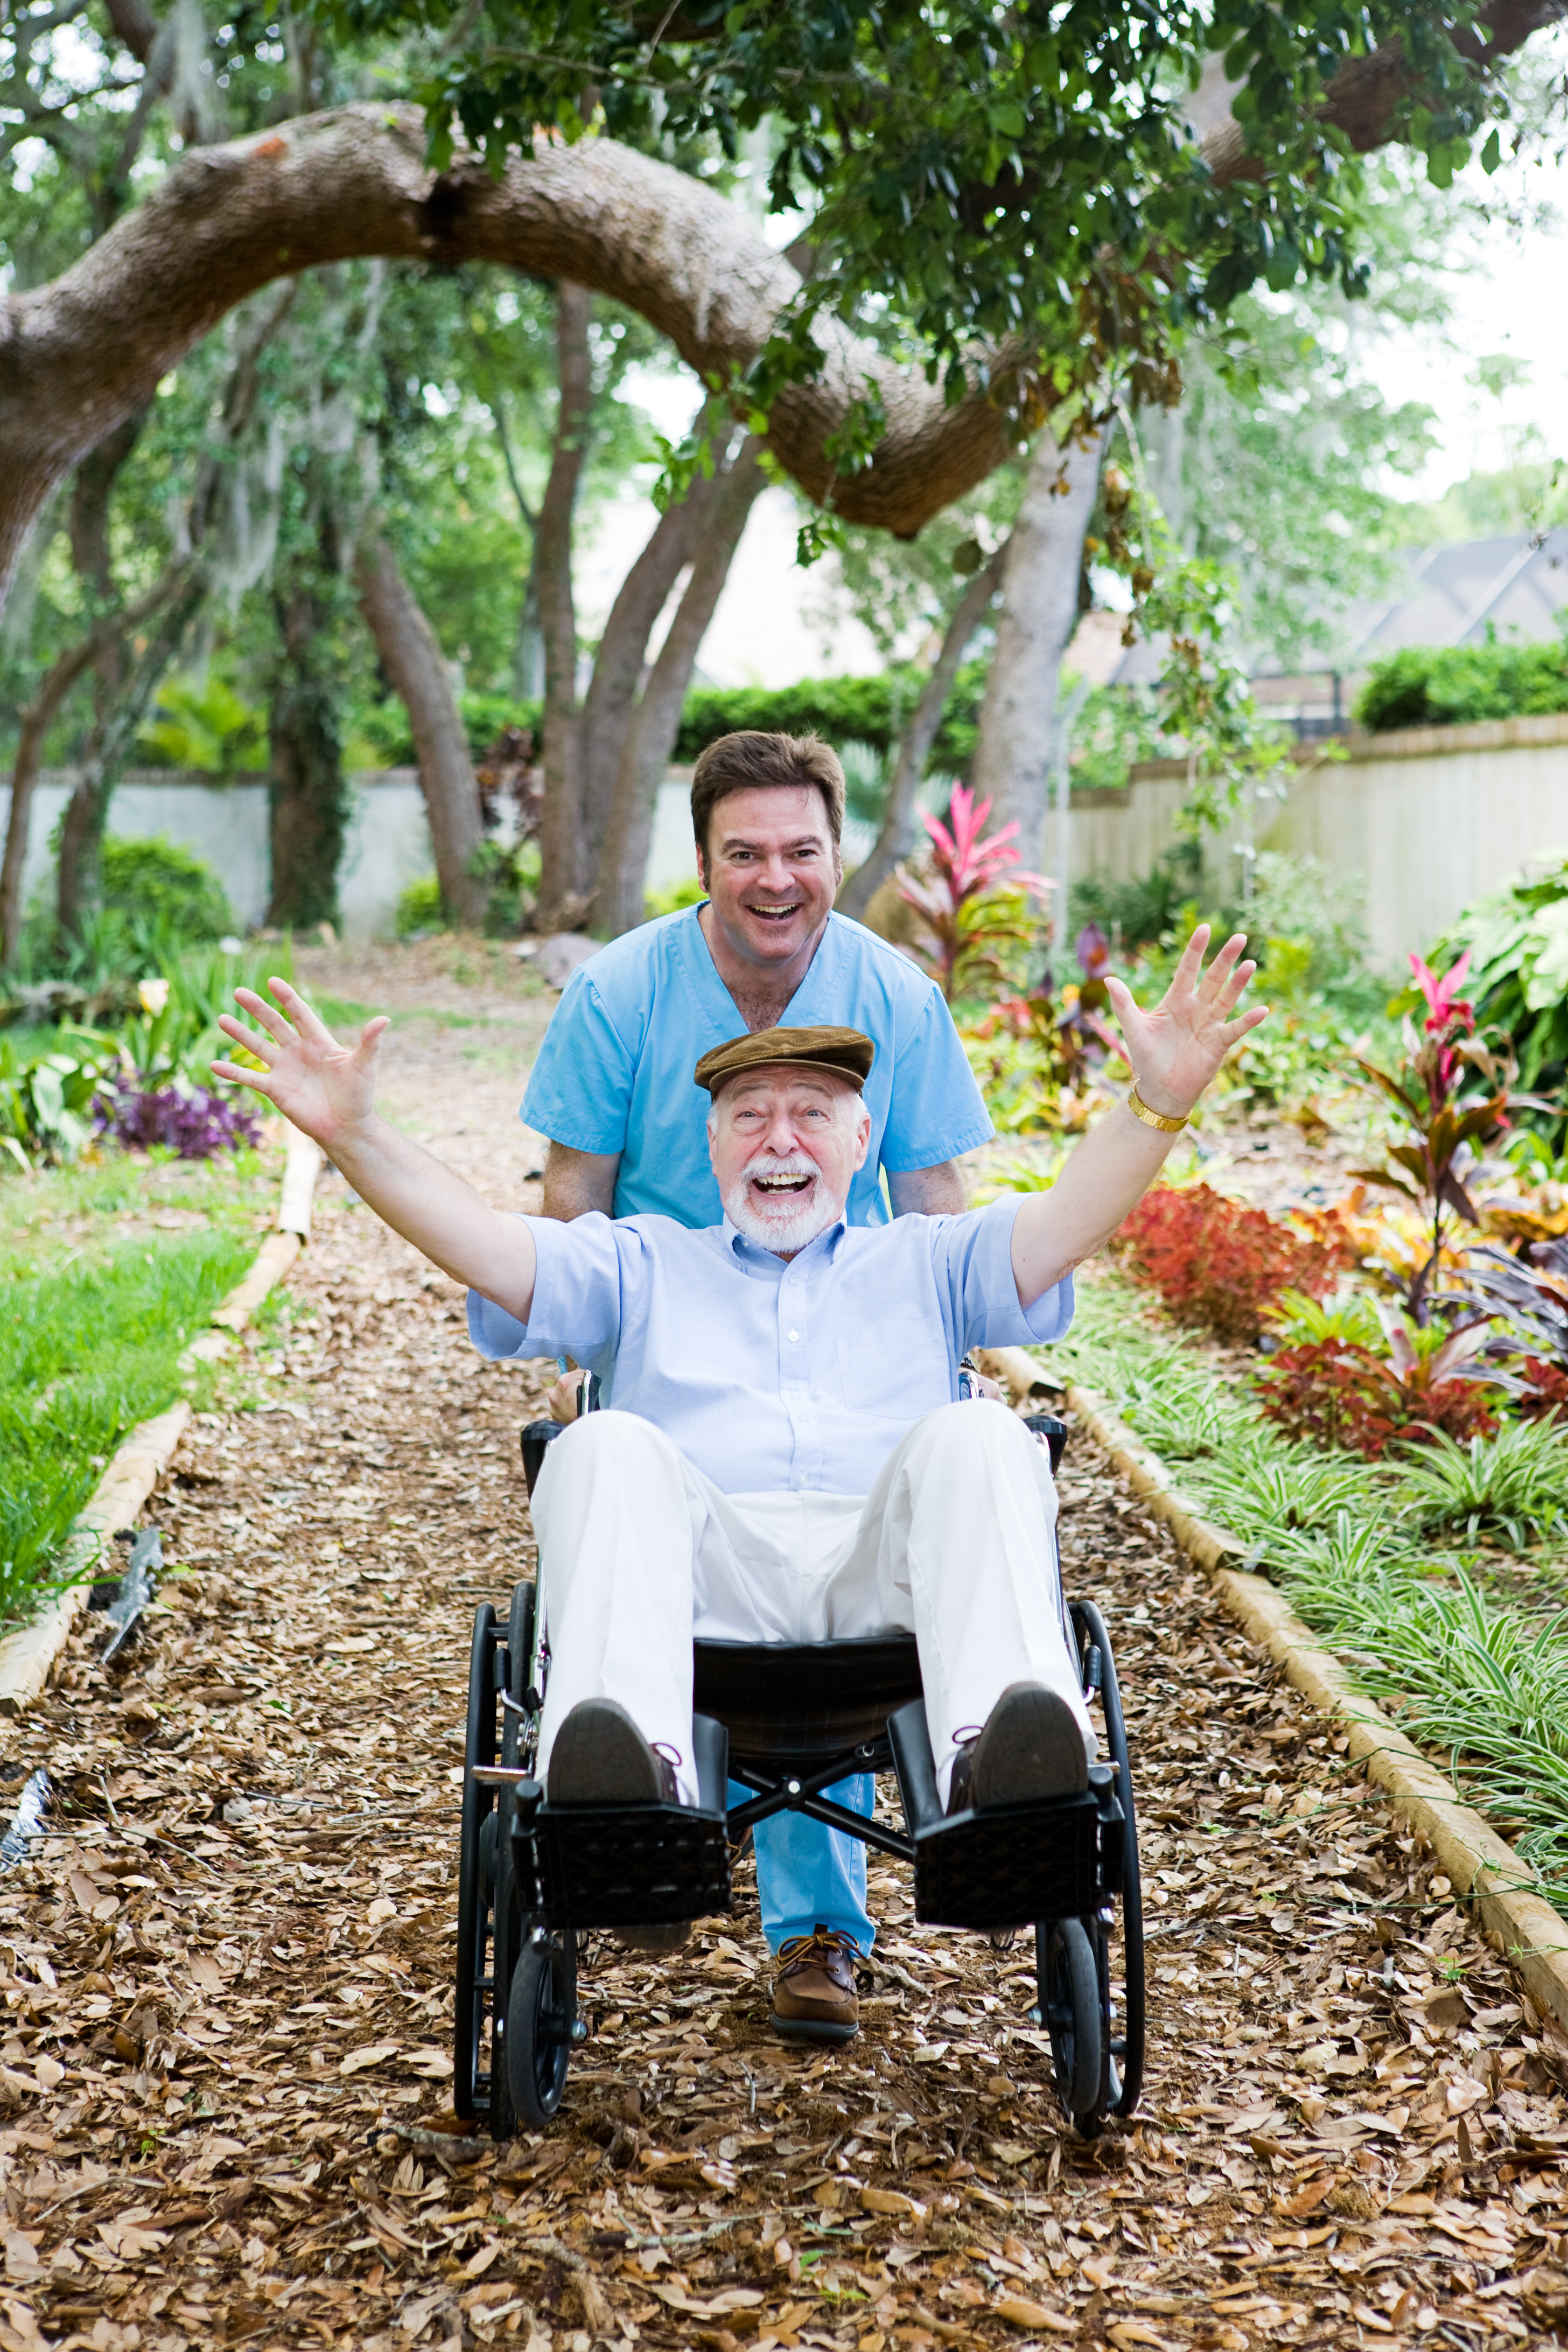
(228, 1975)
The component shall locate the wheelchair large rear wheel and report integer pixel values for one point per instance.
(476, 1868)
(1124, 1970)
(540, 2011)
(509, 1911)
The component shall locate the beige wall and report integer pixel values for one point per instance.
(1428, 820)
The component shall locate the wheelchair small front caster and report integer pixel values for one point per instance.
(1070, 2001)
(541, 2025)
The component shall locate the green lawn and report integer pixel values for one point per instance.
(105, 1274)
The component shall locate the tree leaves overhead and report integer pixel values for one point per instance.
(968, 172)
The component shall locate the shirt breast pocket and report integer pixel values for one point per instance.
(895, 1373)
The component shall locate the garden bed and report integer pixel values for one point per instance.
(1461, 1641)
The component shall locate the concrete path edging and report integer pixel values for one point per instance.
(1483, 1869)
(27, 1656)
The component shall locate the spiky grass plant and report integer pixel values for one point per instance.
(1368, 1557)
(1514, 1485)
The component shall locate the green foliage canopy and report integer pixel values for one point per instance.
(843, 710)
(974, 171)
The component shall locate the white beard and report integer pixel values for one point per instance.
(797, 1218)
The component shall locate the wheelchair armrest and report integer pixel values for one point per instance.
(535, 1436)
(1054, 1432)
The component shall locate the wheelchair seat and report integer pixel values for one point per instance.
(799, 1703)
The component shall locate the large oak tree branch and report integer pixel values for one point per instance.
(78, 354)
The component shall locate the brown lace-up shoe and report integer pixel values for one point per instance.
(813, 1991)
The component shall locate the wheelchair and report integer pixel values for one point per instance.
(786, 1722)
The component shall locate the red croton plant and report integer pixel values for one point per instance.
(1220, 1264)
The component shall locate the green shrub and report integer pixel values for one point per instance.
(419, 907)
(46, 1099)
(380, 735)
(204, 726)
(1133, 914)
(689, 893)
(513, 876)
(160, 887)
(869, 710)
(1452, 685)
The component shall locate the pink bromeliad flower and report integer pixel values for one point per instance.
(1446, 1008)
(1449, 1017)
(969, 863)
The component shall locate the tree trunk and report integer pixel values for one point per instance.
(1039, 614)
(307, 801)
(78, 880)
(897, 838)
(562, 888)
(618, 663)
(36, 720)
(412, 661)
(650, 736)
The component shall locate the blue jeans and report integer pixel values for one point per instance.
(809, 1875)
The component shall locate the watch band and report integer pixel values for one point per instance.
(1140, 1110)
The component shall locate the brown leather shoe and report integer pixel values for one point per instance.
(813, 1993)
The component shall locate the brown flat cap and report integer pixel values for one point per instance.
(845, 1052)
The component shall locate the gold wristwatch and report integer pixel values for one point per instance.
(1140, 1110)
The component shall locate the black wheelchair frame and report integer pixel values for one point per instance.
(786, 1722)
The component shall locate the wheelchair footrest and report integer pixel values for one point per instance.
(1055, 1860)
(627, 1865)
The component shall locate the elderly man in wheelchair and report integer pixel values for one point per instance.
(783, 1550)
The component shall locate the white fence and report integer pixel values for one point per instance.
(388, 842)
(1426, 819)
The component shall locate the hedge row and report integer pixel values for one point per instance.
(844, 710)
(1452, 685)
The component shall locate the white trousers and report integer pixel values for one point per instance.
(638, 1552)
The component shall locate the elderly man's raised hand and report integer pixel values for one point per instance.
(326, 1089)
(1176, 1047)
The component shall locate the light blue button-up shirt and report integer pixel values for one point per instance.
(615, 1071)
(770, 1376)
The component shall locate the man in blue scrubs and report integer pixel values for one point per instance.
(767, 812)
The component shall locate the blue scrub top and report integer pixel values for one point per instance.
(614, 1073)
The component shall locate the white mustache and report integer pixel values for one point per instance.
(786, 1164)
